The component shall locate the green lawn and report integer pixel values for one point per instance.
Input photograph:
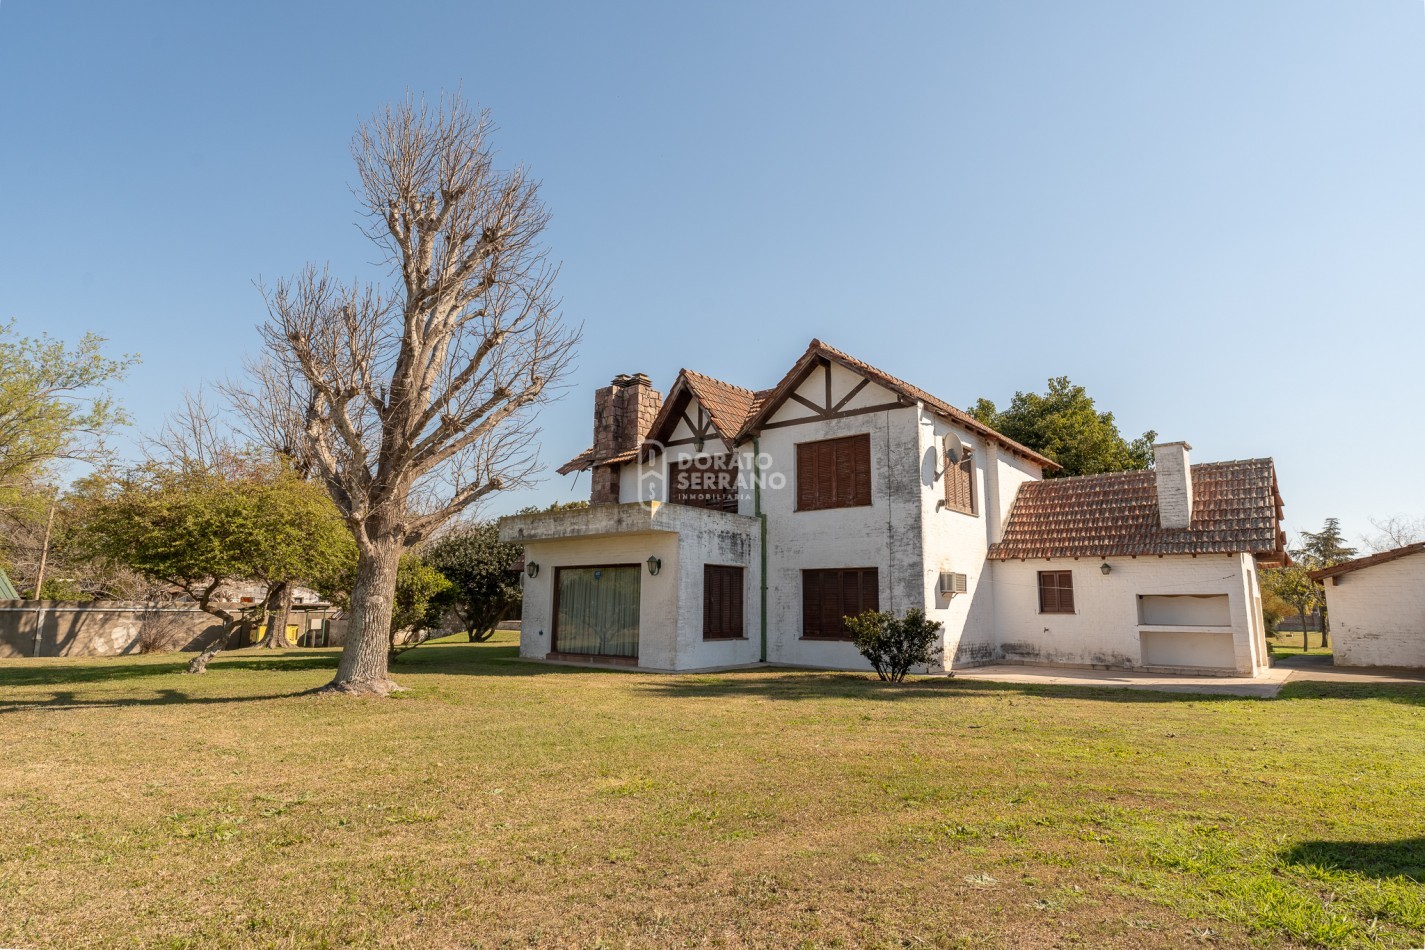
(1288, 643)
(506, 803)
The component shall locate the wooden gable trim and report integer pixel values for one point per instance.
(844, 414)
(829, 408)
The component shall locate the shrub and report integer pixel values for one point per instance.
(895, 644)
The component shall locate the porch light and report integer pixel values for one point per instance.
(655, 564)
(532, 569)
(1105, 569)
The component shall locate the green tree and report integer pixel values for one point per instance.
(201, 529)
(420, 591)
(55, 406)
(1293, 584)
(1065, 425)
(1324, 548)
(484, 588)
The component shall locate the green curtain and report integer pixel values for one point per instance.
(598, 611)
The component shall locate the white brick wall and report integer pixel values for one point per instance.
(1378, 614)
(1104, 630)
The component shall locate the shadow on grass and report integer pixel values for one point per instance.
(1379, 859)
(61, 673)
(69, 699)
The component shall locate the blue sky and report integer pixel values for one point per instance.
(1209, 214)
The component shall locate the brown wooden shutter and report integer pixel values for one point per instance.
(1048, 593)
(860, 447)
(1056, 592)
(806, 476)
(723, 605)
(834, 473)
(811, 603)
(830, 596)
(1066, 592)
(960, 484)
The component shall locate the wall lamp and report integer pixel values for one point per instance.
(1105, 568)
(655, 564)
(532, 569)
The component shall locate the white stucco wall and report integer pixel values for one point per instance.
(1104, 630)
(955, 541)
(1378, 614)
(884, 535)
(671, 602)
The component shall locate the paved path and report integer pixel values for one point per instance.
(1287, 669)
(1264, 687)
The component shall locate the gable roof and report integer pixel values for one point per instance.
(1370, 560)
(737, 413)
(1237, 509)
(727, 406)
(818, 351)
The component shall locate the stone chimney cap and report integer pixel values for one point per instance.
(1164, 445)
(632, 379)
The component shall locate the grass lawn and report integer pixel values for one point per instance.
(507, 803)
(1288, 643)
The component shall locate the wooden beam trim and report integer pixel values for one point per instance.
(851, 395)
(884, 407)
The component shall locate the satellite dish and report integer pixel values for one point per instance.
(954, 451)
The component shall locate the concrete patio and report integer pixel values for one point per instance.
(1284, 670)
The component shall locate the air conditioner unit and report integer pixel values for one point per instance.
(952, 583)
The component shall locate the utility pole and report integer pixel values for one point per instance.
(40, 579)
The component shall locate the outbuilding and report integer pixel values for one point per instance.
(1377, 608)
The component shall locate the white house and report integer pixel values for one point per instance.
(731, 526)
(1377, 608)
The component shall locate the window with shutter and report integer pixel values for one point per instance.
(829, 596)
(1056, 592)
(722, 602)
(709, 481)
(834, 473)
(960, 485)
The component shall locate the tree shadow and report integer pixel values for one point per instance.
(69, 699)
(59, 671)
(1380, 859)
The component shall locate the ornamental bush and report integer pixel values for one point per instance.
(895, 644)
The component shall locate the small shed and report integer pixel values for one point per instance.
(1376, 606)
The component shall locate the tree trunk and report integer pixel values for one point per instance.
(363, 667)
(1325, 629)
(1305, 637)
(279, 605)
(199, 663)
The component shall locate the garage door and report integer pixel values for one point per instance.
(596, 610)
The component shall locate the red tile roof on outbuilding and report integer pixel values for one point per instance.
(1370, 560)
(1236, 509)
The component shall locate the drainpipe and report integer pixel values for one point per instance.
(762, 517)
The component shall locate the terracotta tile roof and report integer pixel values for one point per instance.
(585, 461)
(579, 463)
(1369, 560)
(728, 405)
(1236, 509)
(818, 349)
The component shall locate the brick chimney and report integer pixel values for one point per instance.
(1174, 471)
(624, 411)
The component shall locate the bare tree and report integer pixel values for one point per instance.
(417, 398)
(1394, 532)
